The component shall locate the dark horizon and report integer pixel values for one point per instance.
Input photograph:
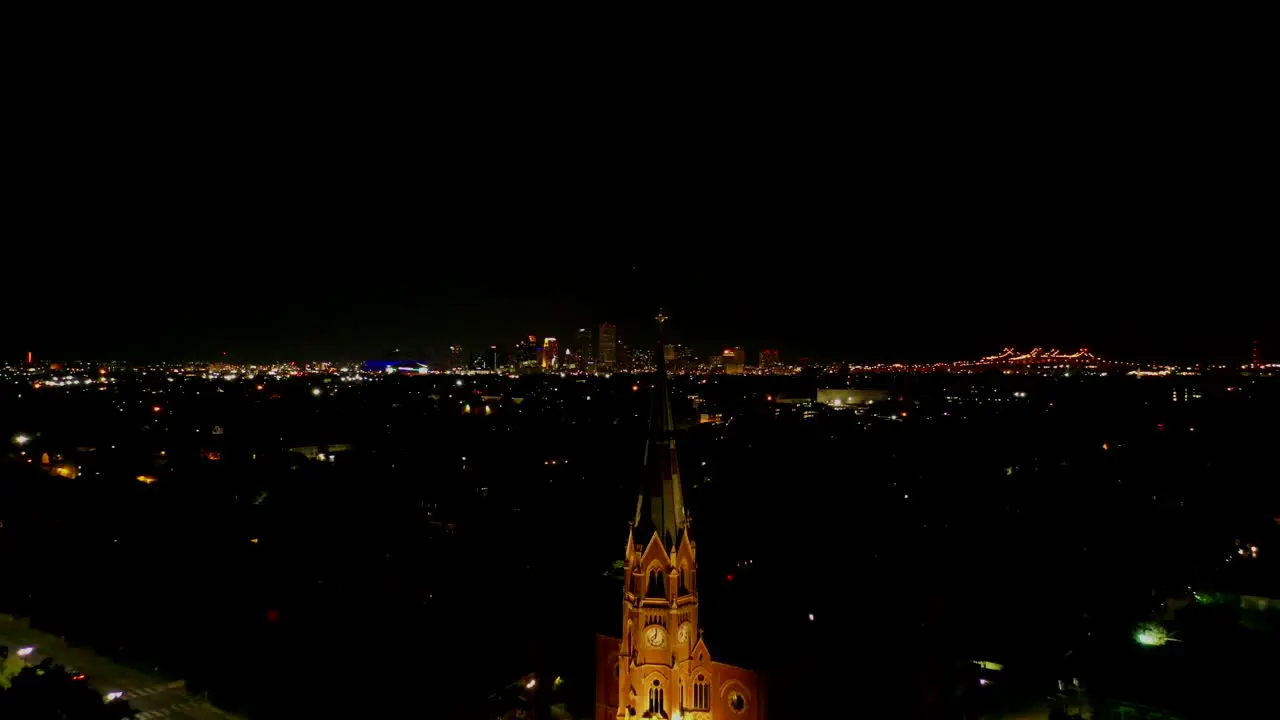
(344, 302)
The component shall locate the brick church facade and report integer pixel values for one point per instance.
(663, 666)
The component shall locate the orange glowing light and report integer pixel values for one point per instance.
(156, 408)
(635, 388)
(146, 479)
(259, 387)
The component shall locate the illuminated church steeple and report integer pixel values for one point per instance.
(662, 667)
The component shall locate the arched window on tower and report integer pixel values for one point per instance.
(684, 583)
(701, 694)
(657, 584)
(655, 698)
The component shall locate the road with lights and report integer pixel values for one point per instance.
(148, 696)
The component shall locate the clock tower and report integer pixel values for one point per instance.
(662, 667)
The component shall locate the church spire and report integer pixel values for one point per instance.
(660, 506)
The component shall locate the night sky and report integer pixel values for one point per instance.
(926, 214)
(354, 290)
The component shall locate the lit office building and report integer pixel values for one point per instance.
(527, 355)
(584, 352)
(607, 360)
(551, 354)
(734, 360)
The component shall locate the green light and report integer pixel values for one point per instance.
(1151, 634)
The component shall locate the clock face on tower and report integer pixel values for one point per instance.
(682, 635)
(656, 636)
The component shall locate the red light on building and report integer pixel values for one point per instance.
(729, 577)
(273, 615)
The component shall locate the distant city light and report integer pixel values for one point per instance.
(21, 439)
(810, 617)
(23, 652)
(113, 695)
(156, 408)
(146, 479)
(533, 682)
(459, 383)
(983, 681)
(316, 391)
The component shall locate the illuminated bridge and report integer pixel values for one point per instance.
(1008, 360)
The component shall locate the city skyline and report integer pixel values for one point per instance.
(892, 310)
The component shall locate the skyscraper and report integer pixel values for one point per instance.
(625, 358)
(584, 349)
(527, 355)
(662, 665)
(551, 354)
(455, 358)
(735, 358)
(608, 338)
(768, 360)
